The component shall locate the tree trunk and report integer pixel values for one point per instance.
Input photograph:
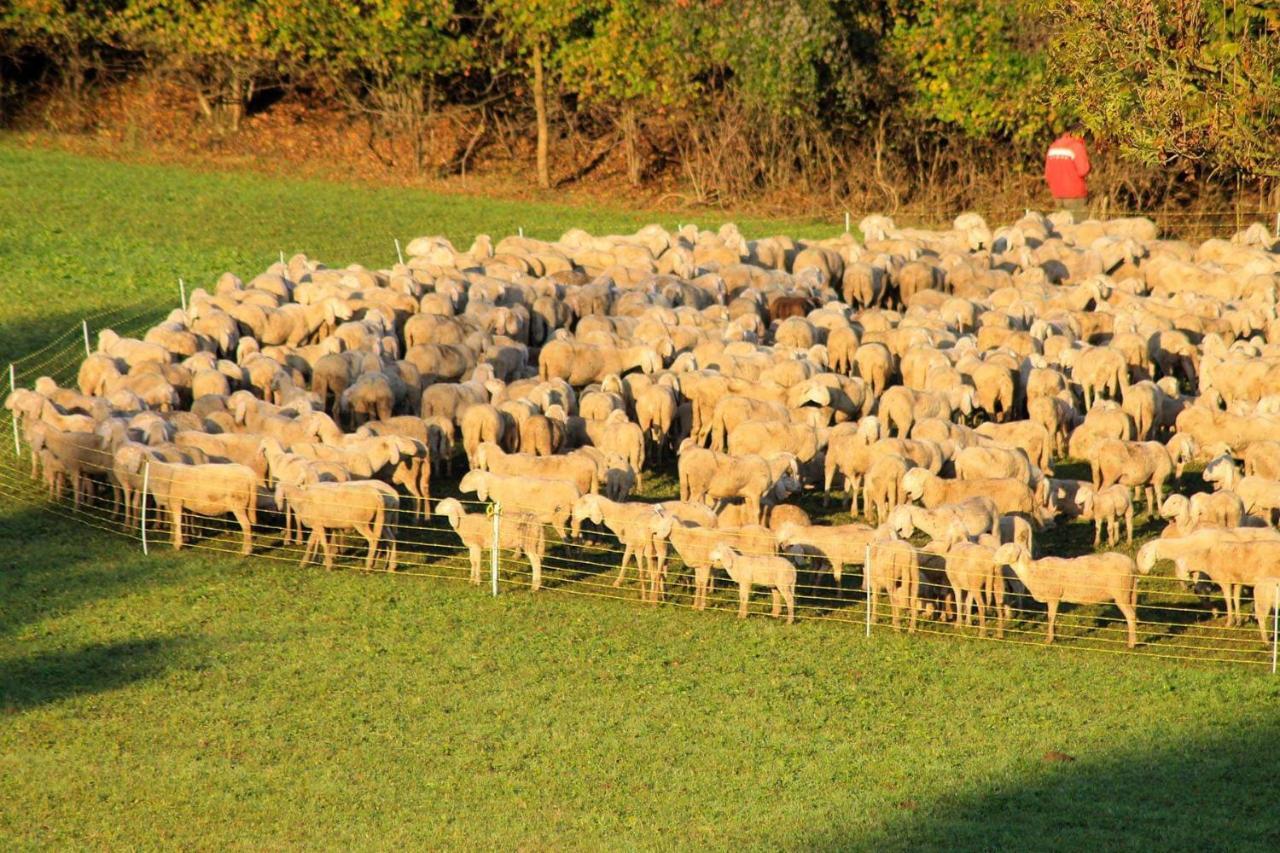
(540, 108)
(630, 132)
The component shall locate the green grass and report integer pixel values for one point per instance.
(202, 700)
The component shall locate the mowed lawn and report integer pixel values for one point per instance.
(209, 701)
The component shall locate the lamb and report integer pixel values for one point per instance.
(521, 532)
(1205, 509)
(1107, 507)
(368, 507)
(1092, 579)
(550, 500)
(778, 573)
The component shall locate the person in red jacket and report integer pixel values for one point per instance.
(1065, 168)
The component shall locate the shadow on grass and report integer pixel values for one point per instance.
(51, 563)
(47, 677)
(1214, 793)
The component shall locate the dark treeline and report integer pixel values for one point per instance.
(887, 102)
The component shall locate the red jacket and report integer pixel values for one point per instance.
(1065, 166)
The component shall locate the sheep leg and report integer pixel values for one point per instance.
(1097, 532)
(789, 595)
(473, 554)
(324, 543)
(313, 545)
(744, 595)
(392, 557)
(535, 564)
(1128, 525)
(622, 572)
(243, 518)
(367, 532)
(701, 576)
(975, 598)
(175, 512)
(1131, 620)
(1053, 617)
(962, 613)
(777, 602)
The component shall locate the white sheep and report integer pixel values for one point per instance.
(518, 531)
(777, 573)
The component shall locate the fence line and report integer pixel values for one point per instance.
(432, 551)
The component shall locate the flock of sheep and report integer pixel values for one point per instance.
(934, 376)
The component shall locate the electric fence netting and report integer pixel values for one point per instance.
(449, 538)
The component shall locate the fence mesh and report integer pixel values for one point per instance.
(1175, 620)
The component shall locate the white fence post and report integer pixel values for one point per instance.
(846, 222)
(282, 256)
(13, 386)
(1277, 231)
(84, 324)
(182, 292)
(520, 230)
(146, 481)
(493, 551)
(1275, 627)
(399, 255)
(866, 585)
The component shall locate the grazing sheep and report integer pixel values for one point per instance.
(518, 531)
(1232, 559)
(1092, 579)
(976, 516)
(838, 546)
(747, 571)
(975, 578)
(1010, 496)
(1146, 465)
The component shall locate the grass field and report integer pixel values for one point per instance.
(213, 702)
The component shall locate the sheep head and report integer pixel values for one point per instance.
(913, 483)
(900, 521)
(1012, 554)
(1175, 506)
(475, 481)
(450, 508)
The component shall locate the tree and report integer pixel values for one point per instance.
(222, 49)
(69, 34)
(640, 56)
(387, 58)
(1194, 84)
(537, 32)
(977, 66)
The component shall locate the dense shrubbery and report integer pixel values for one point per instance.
(738, 97)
